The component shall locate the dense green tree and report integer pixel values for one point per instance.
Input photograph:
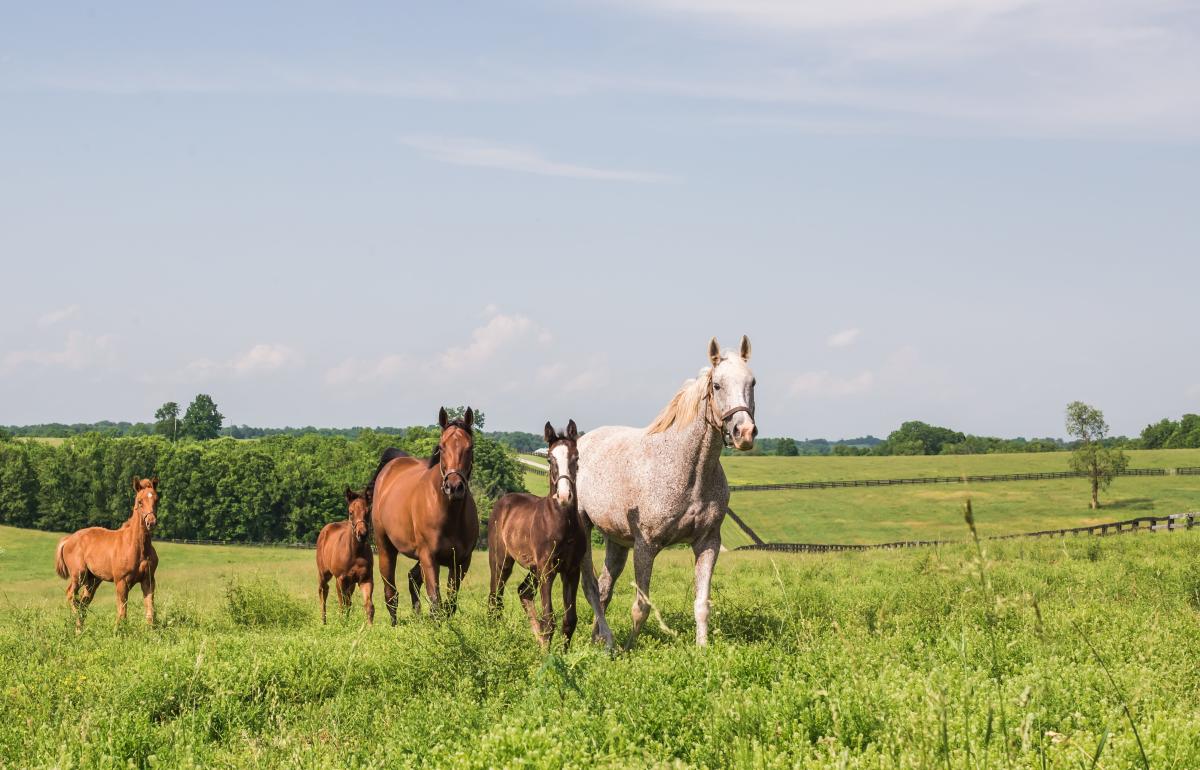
(202, 420)
(1186, 434)
(1155, 435)
(1101, 464)
(18, 484)
(919, 438)
(166, 420)
(786, 447)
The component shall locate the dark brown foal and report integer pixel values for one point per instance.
(546, 536)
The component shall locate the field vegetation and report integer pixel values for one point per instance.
(912, 659)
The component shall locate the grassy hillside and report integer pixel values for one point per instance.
(849, 660)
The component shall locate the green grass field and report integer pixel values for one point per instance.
(932, 512)
(871, 660)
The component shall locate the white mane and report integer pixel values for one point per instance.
(684, 407)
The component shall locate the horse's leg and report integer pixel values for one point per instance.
(345, 596)
(429, 572)
(615, 558)
(323, 592)
(546, 621)
(454, 578)
(415, 581)
(591, 590)
(122, 588)
(643, 565)
(367, 587)
(706, 551)
(500, 566)
(570, 587)
(526, 591)
(387, 571)
(148, 598)
(87, 592)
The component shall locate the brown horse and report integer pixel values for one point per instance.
(424, 510)
(123, 557)
(343, 552)
(544, 534)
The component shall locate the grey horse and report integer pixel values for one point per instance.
(648, 488)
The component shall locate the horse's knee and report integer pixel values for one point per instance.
(640, 610)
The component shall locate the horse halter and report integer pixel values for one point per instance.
(720, 422)
(146, 512)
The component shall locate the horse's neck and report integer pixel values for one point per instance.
(695, 449)
(137, 534)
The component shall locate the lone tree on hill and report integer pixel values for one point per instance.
(167, 420)
(1099, 463)
(202, 420)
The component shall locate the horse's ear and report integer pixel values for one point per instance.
(572, 430)
(714, 351)
(548, 433)
(443, 418)
(154, 482)
(137, 483)
(745, 351)
(350, 495)
(469, 418)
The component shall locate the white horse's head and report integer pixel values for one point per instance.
(733, 394)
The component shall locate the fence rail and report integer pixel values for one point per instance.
(954, 479)
(1142, 523)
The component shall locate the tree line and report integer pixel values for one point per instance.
(278, 489)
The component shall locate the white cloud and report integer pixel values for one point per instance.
(80, 351)
(470, 152)
(354, 371)
(500, 332)
(261, 359)
(844, 338)
(58, 316)
(825, 385)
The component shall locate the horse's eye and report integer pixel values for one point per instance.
(716, 386)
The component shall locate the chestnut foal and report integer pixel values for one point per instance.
(124, 556)
(343, 552)
(544, 534)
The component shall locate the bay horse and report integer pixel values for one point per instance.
(545, 535)
(648, 488)
(423, 509)
(344, 553)
(123, 556)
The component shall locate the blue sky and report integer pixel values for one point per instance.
(967, 213)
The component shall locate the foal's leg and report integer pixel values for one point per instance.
(367, 587)
(546, 621)
(501, 565)
(345, 596)
(706, 551)
(323, 592)
(122, 588)
(148, 598)
(643, 565)
(570, 587)
(86, 594)
(387, 571)
(526, 591)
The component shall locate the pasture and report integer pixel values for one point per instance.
(883, 659)
(931, 512)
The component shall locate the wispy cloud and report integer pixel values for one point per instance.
(487, 341)
(261, 359)
(58, 316)
(843, 339)
(80, 351)
(825, 385)
(471, 152)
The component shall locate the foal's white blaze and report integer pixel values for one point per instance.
(562, 458)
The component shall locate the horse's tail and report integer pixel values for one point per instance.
(389, 454)
(60, 564)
